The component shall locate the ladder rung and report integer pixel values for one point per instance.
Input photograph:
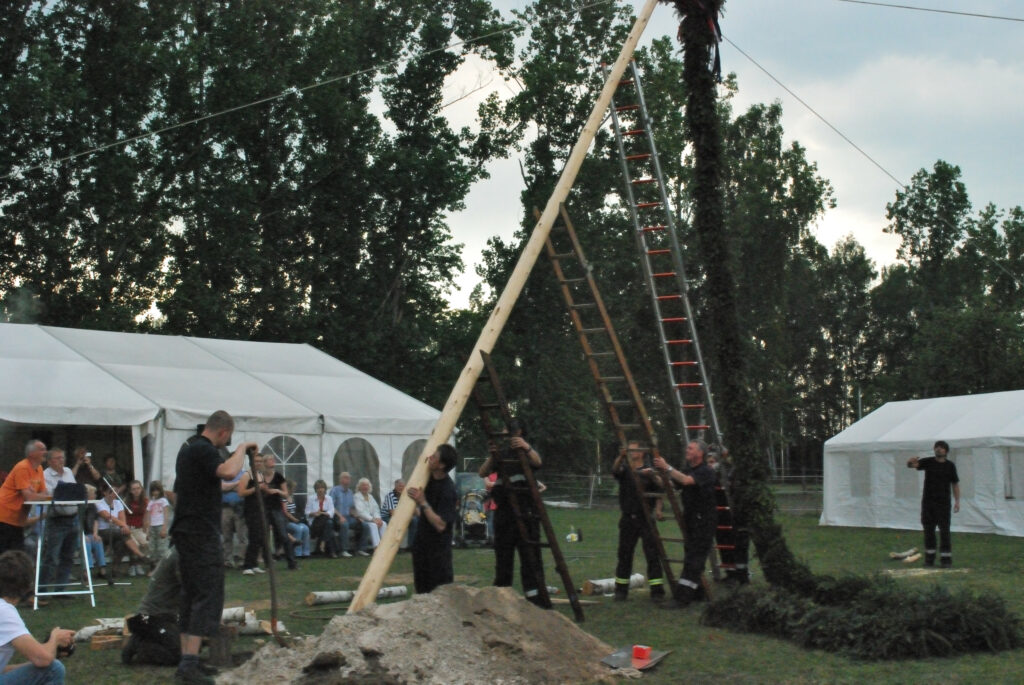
(698, 428)
(693, 406)
(611, 378)
(680, 341)
(573, 280)
(628, 426)
(635, 132)
(724, 527)
(594, 330)
(654, 228)
(684, 363)
(602, 354)
(641, 181)
(721, 508)
(647, 205)
(584, 305)
(728, 548)
(637, 157)
(652, 495)
(728, 567)
(626, 108)
(660, 250)
(562, 255)
(620, 403)
(670, 297)
(626, 82)
(673, 319)
(688, 385)
(664, 274)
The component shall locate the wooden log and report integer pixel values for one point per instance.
(604, 586)
(314, 598)
(220, 646)
(100, 642)
(233, 615)
(384, 556)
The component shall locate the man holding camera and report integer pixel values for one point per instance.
(196, 535)
(83, 470)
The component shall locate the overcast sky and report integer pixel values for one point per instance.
(907, 87)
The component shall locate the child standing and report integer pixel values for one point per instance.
(157, 515)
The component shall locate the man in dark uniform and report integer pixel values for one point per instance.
(196, 535)
(432, 544)
(939, 478)
(697, 483)
(633, 523)
(506, 531)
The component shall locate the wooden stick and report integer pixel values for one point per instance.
(384, 556)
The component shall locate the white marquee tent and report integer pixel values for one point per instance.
(317, 414)
(867, 482)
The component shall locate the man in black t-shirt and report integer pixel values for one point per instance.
(697, 485)
(196, 535)
(507, 538)
(438, 509)
(633, 523)
(940, 478)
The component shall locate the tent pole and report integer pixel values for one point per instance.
(383, 557)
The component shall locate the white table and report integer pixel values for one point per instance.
(81, 551)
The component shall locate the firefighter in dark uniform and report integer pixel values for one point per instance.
(633, 523)
(506, 531)
(939, 478)
(697, 485)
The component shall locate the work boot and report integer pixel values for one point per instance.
(192, 676)
(657, 594)
(621, 592)
(129, 649)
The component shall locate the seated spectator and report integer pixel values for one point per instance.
(367, 511)
(93, 541)
(320, 514)
(298, 530)
(43, 667)
(114, 531)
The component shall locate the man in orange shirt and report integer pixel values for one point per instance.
(25, 483)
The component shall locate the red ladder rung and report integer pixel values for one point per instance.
(653, 228)
(626, 108)
(727, 567)
(639, 181)
(722, 508)
(669, 297)
(698, 428)
(634, 132)
(693, 406)
(647, 205)
(638, 156)
(660, 250)
(664, 274)
(684, 363)
(688, 385)
(626, 82)
(728, 548)
(724, 527)
(673, 319)
(681, 341)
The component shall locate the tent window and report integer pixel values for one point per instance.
(409, 457)
(860, 475)
(291, 462)
(358, 457)
(1015, 473)
(908, 481)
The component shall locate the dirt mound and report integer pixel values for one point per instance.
(456, 634)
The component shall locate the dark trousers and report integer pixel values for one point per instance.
(506, 541)
(936, 515)
(342, 530)
(699, 541)
(201, 566)
(633, 527)
(322, 532)
(254, 526)
(432, 564)
(60, 541)
(11, 537)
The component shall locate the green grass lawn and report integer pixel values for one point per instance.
(993, 565)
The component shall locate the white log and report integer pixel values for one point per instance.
(604, 586)
(233, 615)
(332, 597)
(384, 556)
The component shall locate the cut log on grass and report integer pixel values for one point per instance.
(103, 625)
(606, 586)
(233, 615)
(903, 555)
(330, 597)
(98, 642)
(913, 558)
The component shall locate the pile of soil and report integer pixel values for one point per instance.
(456, 634)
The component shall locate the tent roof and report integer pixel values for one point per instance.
(997, 418)
(283, 387)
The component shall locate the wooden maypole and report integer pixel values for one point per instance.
(388, 548)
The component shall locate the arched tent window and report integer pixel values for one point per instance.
(290, 456)
(409, 457)
(358, 457)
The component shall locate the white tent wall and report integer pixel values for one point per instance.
(867, 482)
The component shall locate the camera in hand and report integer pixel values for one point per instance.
(62, 651)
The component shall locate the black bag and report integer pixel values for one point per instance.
(67, 492)
(155, 640)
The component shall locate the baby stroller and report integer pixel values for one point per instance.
(471, 525)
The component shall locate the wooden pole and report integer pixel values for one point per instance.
(399, 523)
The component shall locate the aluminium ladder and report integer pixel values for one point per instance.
(616, 386)
(496, 428)
(658, 243)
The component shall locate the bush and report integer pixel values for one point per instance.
(872, 619)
